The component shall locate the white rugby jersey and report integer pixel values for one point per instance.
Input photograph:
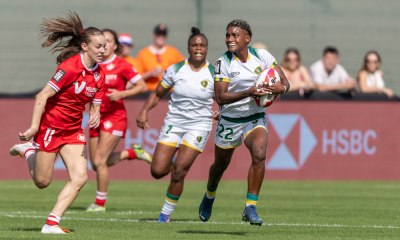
(241, 77)
(190, 105)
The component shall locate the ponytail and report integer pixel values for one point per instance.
(69, 32)
(195, 31)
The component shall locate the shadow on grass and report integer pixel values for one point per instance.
(77, 208)
(213, 232)
(32, 229)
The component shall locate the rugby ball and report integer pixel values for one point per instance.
(269, 76)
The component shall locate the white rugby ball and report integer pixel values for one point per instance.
(269, 76)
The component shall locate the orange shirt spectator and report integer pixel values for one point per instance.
(126, 40)
(156, 58)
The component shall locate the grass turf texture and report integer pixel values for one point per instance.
(291, 210)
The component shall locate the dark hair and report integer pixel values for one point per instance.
(364, 66)
(290, 50)
(330, 49)
(115, 36)
(242, 24)
(70, 34)
(195, 31)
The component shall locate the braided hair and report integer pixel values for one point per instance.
(242, 24)
(195, 32)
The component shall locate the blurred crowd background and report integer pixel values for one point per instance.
(351, 28)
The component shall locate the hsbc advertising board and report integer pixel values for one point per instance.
(308, 140)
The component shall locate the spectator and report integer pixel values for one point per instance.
(126, 40)
(370, 76)
(329, 75)
(259, 45)
(154, 59)
(296, 73)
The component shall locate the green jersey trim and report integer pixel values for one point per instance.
(244, 119)
(254, 52)
(178, 66)
(227, 57)
(211, 69)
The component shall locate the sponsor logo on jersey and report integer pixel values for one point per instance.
(199, 139)
(234, 74)
(83, 73)
(217, 67)
(110, 78)
(180, 81)
(81, 137)
(107, 125)
(204, 83)
(134, 69)
(255, 121)
(59, 75)
(110, 66)
(97, 76)
(78, 89)
(258, 70)
(90, 91)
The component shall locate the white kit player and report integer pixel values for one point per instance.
(241, 117)
(189, 119)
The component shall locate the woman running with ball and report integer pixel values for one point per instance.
(189, 119)
(57, 113)
(234, 75)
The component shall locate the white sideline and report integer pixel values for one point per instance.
(199, 222)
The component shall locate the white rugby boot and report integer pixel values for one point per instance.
(54, 229)
(21, 149)
(141, 154)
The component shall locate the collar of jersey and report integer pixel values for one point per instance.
(155, 51)
(108, 61)
(187, 64)
(92, 69)
(248, 56)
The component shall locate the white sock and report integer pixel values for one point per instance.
(29, 152)
(53, 220)
(168, 208)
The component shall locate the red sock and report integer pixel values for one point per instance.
(101, 198)
(53, 219)
(132, 154)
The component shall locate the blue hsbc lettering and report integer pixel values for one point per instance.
(352, 142)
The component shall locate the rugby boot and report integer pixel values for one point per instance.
(163, 218)
(205, 208)
(95, 208)
(250, 215)
(54, 229)
(141, 154)
(21, 149)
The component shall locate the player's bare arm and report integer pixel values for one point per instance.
(94, 115)
(132, 90)
(38, 109)
(224, 97)
(150, 103)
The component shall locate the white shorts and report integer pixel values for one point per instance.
(175, 136)
(228, 134)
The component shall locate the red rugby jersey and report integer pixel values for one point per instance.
(118, 73)
(75, 85)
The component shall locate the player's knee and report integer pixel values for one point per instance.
(42, 183)
(220, 167)
(98, 165)
(258, 156)
(158, 173)
(178, 175)
(79, 182)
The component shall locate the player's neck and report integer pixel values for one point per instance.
(108, 58)
(242, 54)
(87, 62)
(196, 65)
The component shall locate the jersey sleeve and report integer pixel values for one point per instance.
(63, 77)
(131, 74)
(221, 73)
(269, 60)
(167, 80)
(101, 86)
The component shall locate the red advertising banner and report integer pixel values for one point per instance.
(308, 140)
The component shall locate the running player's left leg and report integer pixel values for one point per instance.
(256, 142)
(105, 146)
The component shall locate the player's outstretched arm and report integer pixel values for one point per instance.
(38, 108)
(150, 103)
(224, 97)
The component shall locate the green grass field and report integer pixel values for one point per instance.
(290, 210)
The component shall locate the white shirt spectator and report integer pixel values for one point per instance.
(320, 76)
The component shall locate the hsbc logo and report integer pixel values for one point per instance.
(282, 158)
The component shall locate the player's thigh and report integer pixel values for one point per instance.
(105, 146)
(93, 142)
(75, 159)
(162, 158)
(256, 138)
(44, 165)
(223, 156)
(184, 160)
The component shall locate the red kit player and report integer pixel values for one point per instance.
(57, 113)
(122, 80)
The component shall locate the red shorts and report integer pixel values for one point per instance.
(49, 139)
(112, 123)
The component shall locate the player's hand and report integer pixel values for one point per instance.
(257, 91)
(28, 134)
(141, 120)
(215, 116)
(388, 92)
(115, 95)
(275, 88)
(94, 119)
